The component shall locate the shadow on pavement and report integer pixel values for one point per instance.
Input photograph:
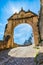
(5, 59)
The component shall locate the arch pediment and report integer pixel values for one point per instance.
(23, 14)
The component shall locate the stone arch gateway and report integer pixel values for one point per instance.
(22, 17)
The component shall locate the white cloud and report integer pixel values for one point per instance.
(1, 24)
(19, 40)
(2, 27)
(10, 9)
(22, 33)
(1, 33)
(18, 34)
(23, 27)
(14, 9)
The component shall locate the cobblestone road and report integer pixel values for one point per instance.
(18, 56)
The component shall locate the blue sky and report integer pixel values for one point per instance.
(22, 32)
(9, 7)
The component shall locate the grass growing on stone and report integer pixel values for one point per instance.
(39, 59)
(36, 47)
(36, 59)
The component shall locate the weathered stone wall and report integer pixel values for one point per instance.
(41, 21)
(3, 45)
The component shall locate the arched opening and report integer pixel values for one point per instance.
(23, 34)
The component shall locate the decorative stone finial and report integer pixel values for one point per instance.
(21, 8)
(28, 9)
